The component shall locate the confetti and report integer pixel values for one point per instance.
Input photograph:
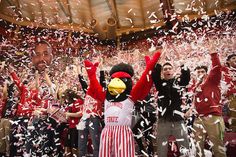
(189, 43)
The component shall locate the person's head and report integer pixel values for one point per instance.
(167, 71)
(42, 55)
(70, 96)
(231, 60)
(201, 71)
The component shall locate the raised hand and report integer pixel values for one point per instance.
(150, 62)
(90, 67)
(212, 45)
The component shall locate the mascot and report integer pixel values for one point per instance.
(119, 99)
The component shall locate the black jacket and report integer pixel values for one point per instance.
(170, 93)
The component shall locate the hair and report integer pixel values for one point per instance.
(167, 63)
(25, 82)
(70, 96)
(122, 67)
(202, 67)
(43, 42)
(230, 56)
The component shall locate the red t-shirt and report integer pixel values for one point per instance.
(73, 108)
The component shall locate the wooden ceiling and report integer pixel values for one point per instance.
(107, 18)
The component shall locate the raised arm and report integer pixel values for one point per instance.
(83, 83)
(95, 89)
(215, 73)
(156, 76)
(16, 79)
(102, 79)
(185, 76)
(143, 86)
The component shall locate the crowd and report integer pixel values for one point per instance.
(48, 107)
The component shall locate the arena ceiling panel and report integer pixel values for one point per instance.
(107, 18)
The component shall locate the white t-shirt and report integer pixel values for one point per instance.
(118, 113)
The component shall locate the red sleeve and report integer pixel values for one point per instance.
(215, 73)
(17, 81)
(95, 89)
(143, 86)
(23, 93)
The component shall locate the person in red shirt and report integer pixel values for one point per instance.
(41, 59)
(31, 100)
(229, 73)
(43, 139)
(209, 121)
(73, 113)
